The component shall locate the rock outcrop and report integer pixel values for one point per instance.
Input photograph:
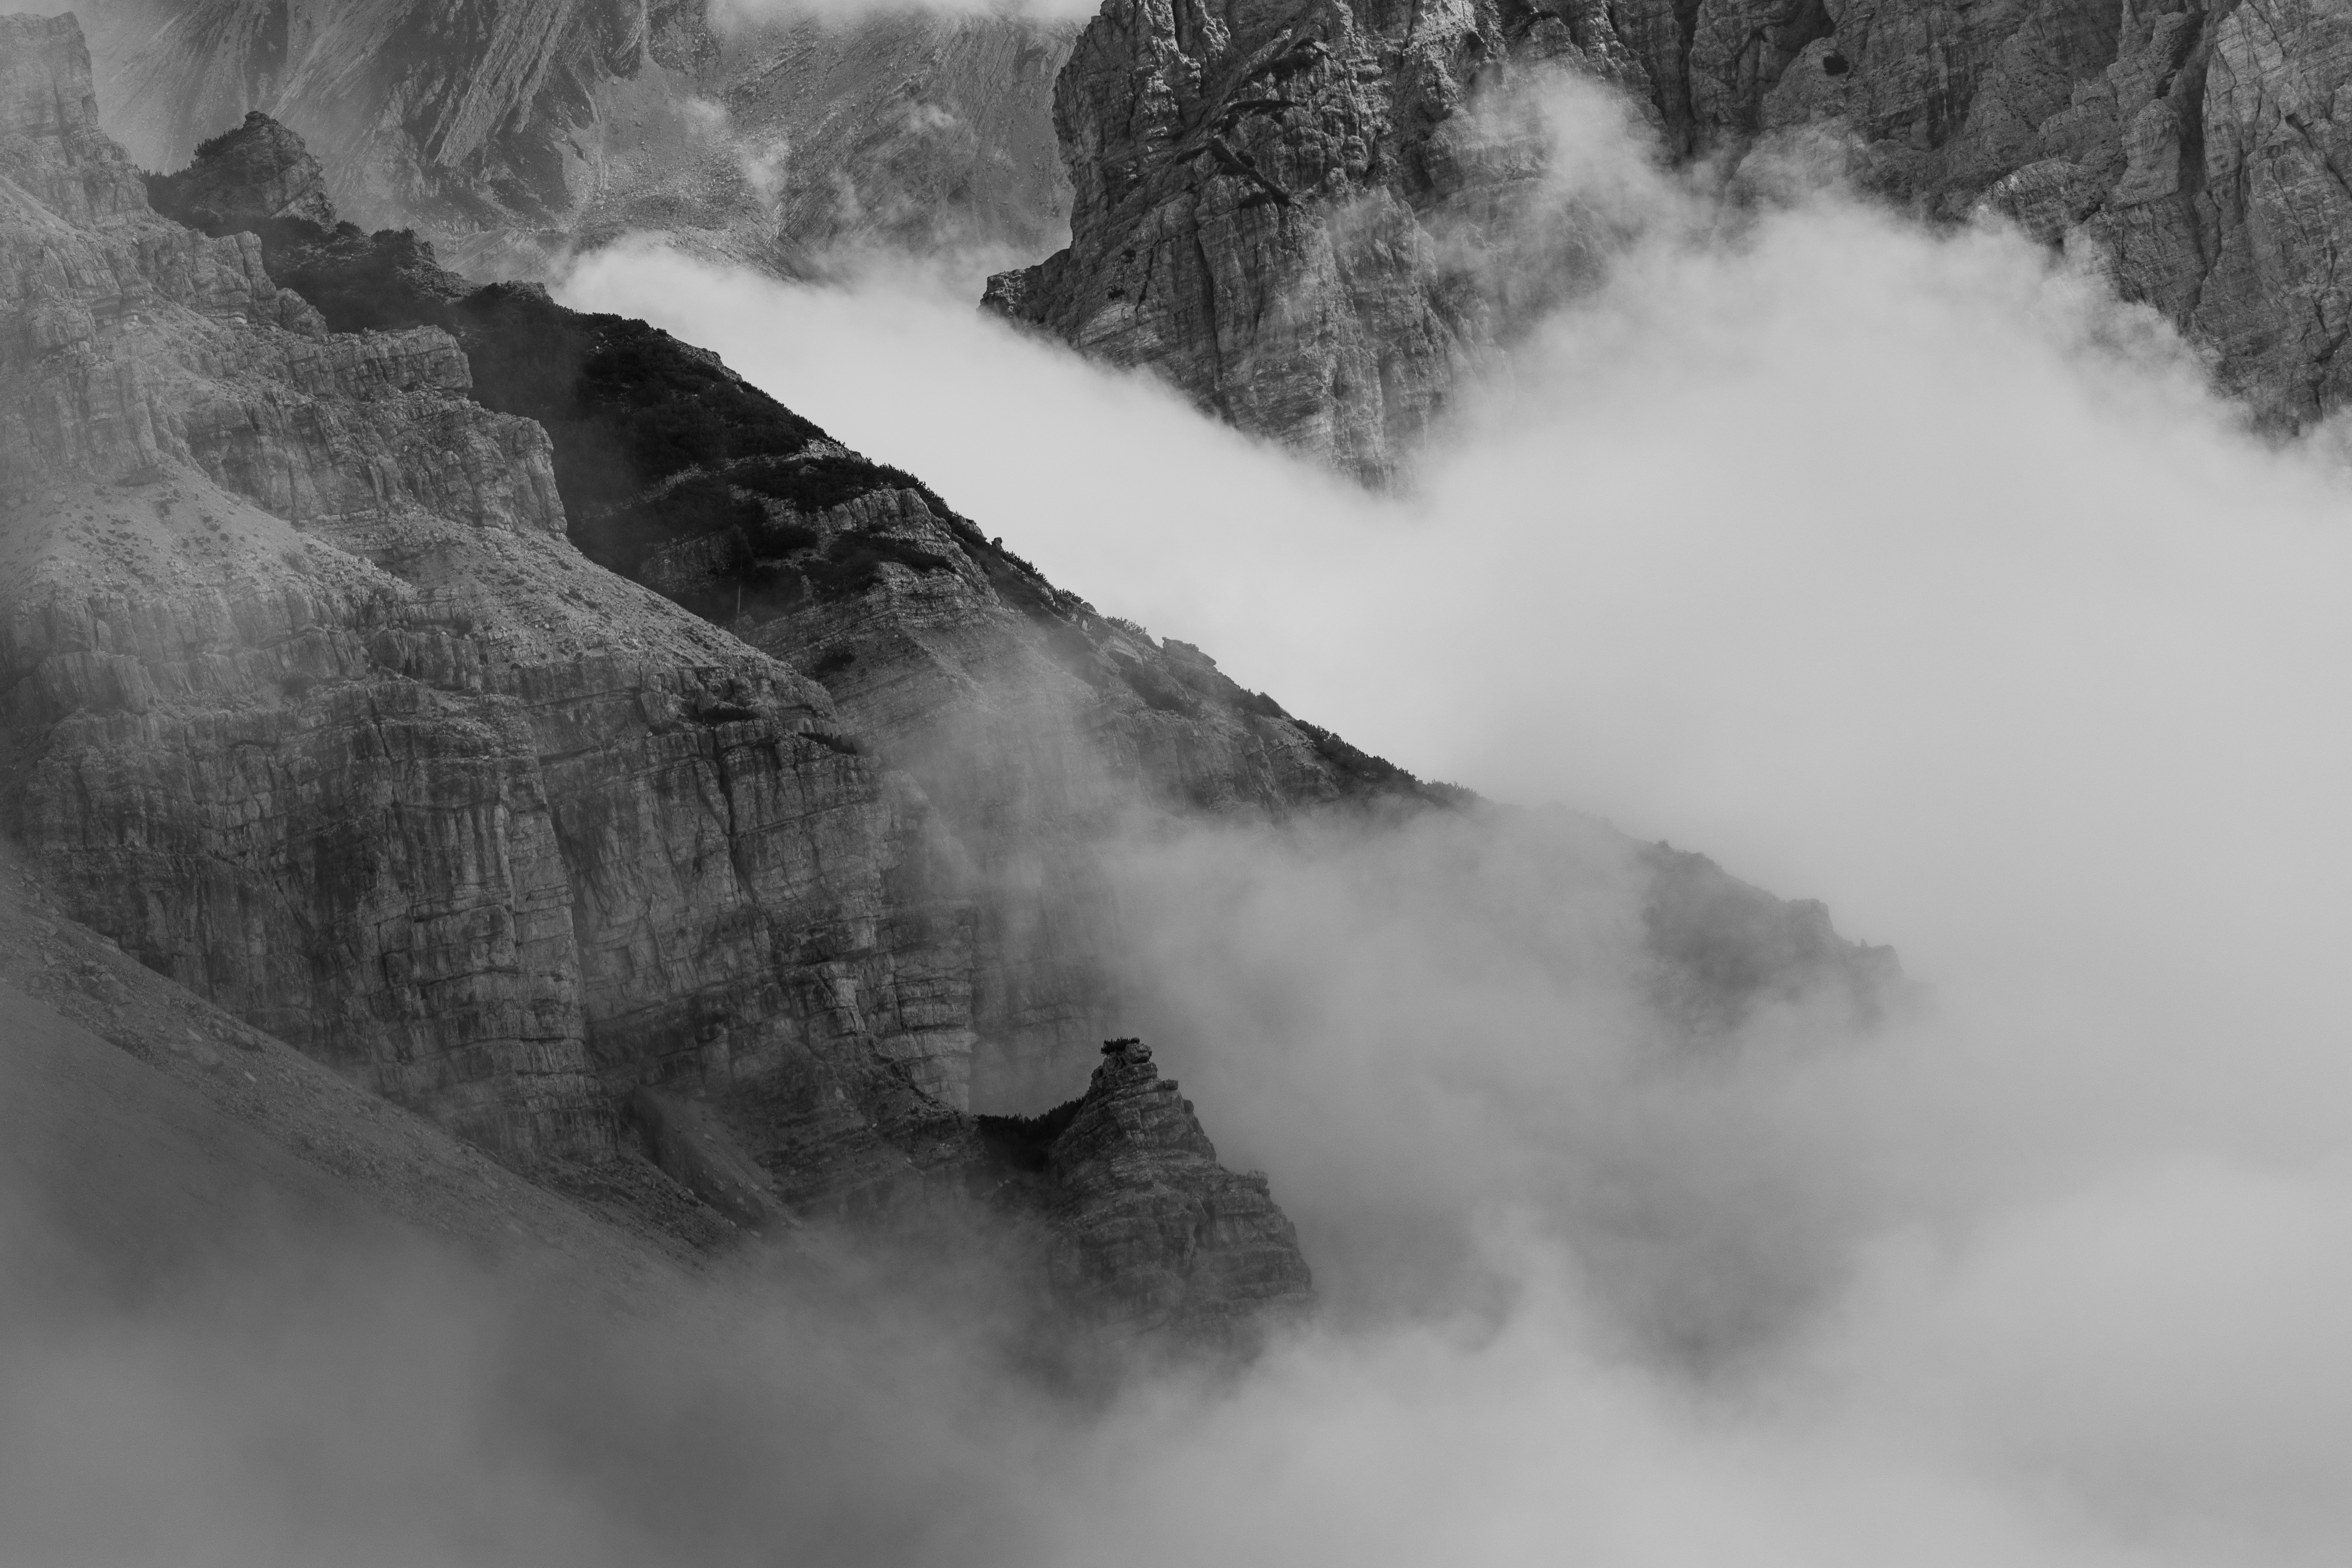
(516, 134)
(2190, 153)
(1144, 1222)
(312, 707)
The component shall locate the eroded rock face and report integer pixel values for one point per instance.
(1293, 214)
(514, 134)
(1261, 200)
(1145, 1224)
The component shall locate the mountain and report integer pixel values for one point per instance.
(314, 710)
(515, 132)
(516, 713)
(1295, 216)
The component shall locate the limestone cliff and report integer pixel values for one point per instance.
(1291, 213)
(516, 132)
(312, 707)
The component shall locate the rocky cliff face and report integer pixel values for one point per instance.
(312, 707)
(1292, 214)
(2191, 152)
(1277, 210)
(1035, 725)
(516, 132)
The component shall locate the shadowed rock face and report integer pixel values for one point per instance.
(517, 132)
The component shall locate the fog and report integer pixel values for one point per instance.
(1908, 572)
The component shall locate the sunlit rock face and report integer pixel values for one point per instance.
(515, 134)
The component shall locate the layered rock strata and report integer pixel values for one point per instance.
(312, 707)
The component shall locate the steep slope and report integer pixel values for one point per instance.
(312, 707)
(1034, 724)
(1292, 213)
(514, 131)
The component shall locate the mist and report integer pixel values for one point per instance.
(1910, 572)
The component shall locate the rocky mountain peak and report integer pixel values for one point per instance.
(244, 178)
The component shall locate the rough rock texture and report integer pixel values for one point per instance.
(312, 707)
(1263, 200)
(2191, 152)
(516, 131)
(1305, 218)
(1144, 1222)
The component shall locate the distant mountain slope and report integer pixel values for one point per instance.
(515, 130)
